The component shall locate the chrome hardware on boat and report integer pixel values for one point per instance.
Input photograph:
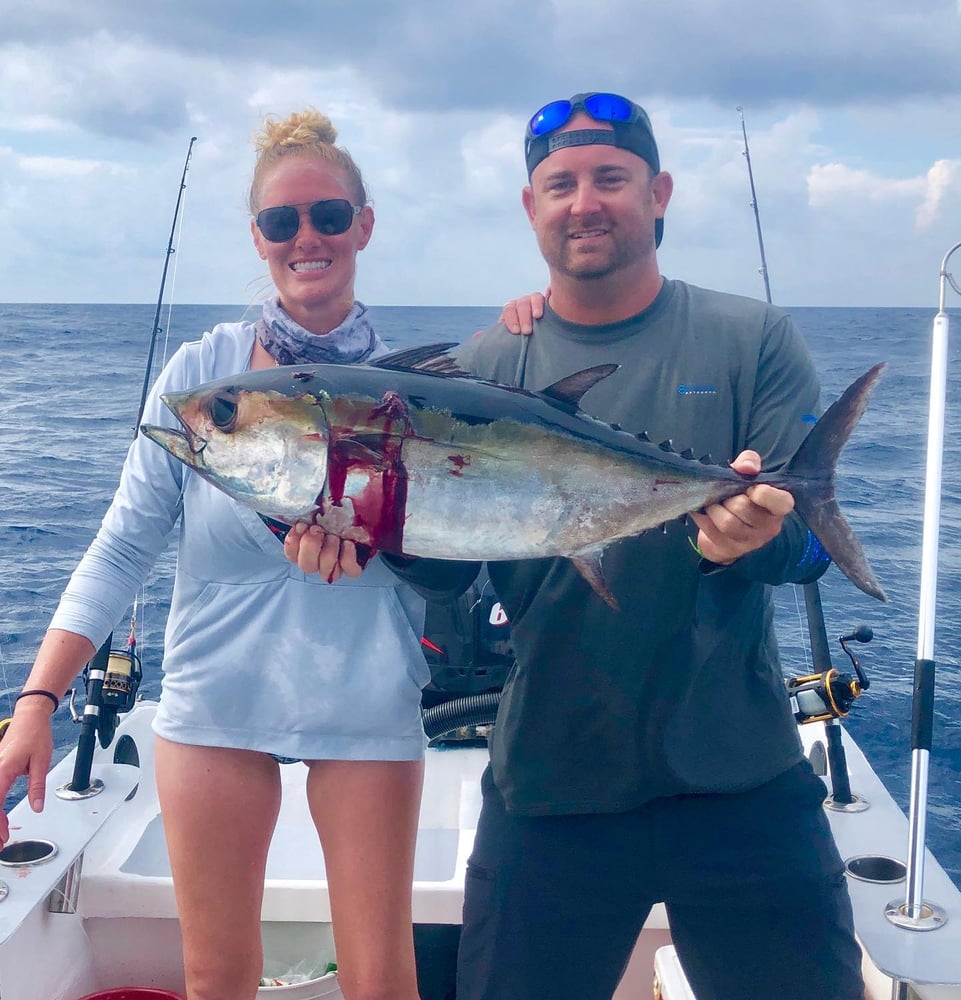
(930, 916)
(876, 868)
(26, 853)
(64, 896)
(71, 794)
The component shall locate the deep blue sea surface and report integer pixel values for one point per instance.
(70, 384)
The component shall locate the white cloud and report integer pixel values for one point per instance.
(56, 168)
(832, 183)
(431, 101)
(491, 161)
(836, 187)
(943, 182)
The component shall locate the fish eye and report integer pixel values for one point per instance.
(223, 412)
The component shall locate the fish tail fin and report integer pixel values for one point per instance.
(811, 472)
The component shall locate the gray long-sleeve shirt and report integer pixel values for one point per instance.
(681, 690)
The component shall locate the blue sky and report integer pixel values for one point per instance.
(853, 112)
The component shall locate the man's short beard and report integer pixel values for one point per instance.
(591, 270)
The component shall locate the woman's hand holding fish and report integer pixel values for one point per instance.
(743, 523)
(317, 551)
(518, 315)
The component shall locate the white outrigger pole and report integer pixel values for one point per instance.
(914, 912)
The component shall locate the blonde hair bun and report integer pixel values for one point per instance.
(304, 128)
(302, 133)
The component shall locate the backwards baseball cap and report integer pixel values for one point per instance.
(630, 129)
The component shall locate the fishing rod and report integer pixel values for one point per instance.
(112, 677)
(757, 215)
(171, 250)
(825, 695)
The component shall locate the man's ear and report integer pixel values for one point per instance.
(527, 200)
(662, 186)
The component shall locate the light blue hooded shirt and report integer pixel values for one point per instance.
(258, 655)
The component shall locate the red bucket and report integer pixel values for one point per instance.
(133, 993)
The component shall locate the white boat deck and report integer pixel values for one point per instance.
(124, 925)
(923, 957)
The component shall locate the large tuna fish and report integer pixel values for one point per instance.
(435, 464)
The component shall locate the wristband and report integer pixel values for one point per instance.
(46, 694)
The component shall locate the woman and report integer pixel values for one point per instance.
(263, 660)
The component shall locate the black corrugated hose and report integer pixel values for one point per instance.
(470, 710)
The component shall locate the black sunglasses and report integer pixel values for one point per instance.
(329, 217)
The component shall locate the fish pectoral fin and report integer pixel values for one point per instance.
(588, 563)
(359, 449)
(430, 358)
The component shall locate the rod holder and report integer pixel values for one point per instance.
(27, 853)
(841, 799)
(80, 786)
(928, 917)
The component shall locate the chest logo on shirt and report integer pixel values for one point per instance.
(704, 389)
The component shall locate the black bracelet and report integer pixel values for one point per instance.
(46, 694)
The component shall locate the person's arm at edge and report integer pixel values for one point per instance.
(135, 527)
(28, 742)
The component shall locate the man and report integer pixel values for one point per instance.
(651, 755)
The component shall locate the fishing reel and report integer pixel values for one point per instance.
(122, 680)
(118, 692)
(831, 693)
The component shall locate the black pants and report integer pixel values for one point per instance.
(753, 885)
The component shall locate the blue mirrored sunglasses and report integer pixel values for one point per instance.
(601, 107)
(329, 217)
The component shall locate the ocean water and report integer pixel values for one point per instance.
(70, 385)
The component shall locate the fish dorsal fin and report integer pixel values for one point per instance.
(431, 358)
(570, 389)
